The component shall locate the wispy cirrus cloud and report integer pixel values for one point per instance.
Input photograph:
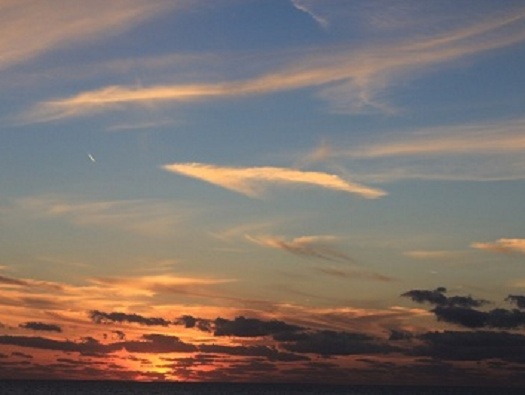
(503, 246)
(477, 151)
(252, 181)
(304, 6)
(434, 254)
(471, 139)
(320, 247)
(32, 28)
(351, 78)
(165, 283)
(356, 274)
(146, 217)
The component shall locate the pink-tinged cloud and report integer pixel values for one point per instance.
(503, 246)
(252, 181)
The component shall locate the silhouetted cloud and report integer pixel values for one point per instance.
(396, 335)
(328, 343)
(87, 346)
(462, 316)
(151, 343)
(191, 322)
(270, 353)
(101, 318)
(460, 310)
(518, 299)
(438, 297)
(251, 327)
(157, 343)
(40, 326)
(473, 346)
(470, 318)
(433, 297)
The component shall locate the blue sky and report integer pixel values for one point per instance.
(305, 162)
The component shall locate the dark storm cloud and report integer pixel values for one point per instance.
(328, 343)
(473, 346)
(252, 327)
(518, 299)
(40, 326)
(437, 297)
(100, 317)
(253, 351)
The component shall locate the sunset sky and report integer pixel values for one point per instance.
(263, 190)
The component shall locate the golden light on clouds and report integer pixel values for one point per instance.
(253, 181)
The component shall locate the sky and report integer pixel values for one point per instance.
(263, 190)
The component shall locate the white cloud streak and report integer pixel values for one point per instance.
(252, 181)
(350, 78)
(303, 6)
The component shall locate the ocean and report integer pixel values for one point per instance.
(164, 388)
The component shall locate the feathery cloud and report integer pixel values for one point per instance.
(320, 247)
(477, 151)
(251, 181)
(145, 217)
(350, 78)
(31, 28)
(471, 139)
(504, 246)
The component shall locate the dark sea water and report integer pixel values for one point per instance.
(134, 388)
